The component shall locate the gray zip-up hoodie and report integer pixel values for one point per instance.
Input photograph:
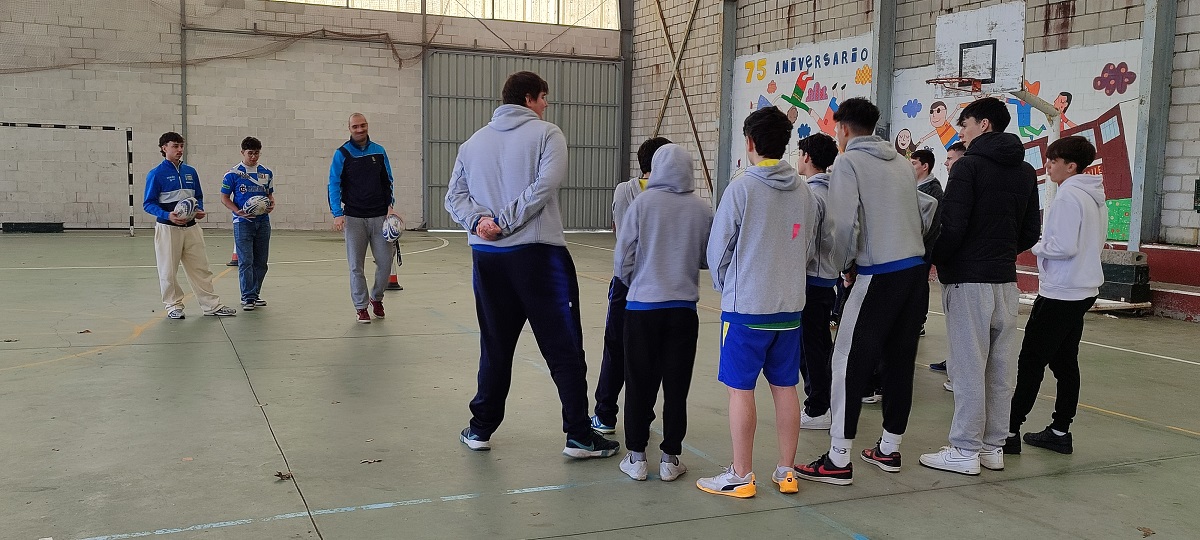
(661, 239)
(511, 170)
(761, 241)
(872, 209)
(1068, 255)
(821, 270)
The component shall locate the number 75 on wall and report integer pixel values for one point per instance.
(756, 69)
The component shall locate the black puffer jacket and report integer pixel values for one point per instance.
(989, 213)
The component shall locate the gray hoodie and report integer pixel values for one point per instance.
(821, 270)
(661, 238)
(1068, 255)
(511, 170)
(761, 239)
(623, 196)
(872, 209)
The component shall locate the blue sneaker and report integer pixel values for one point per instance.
(940, 366)
(597, 447)
(473, 441)
(601, 427)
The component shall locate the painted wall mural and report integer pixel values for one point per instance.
(807, 82)
(1095, 88)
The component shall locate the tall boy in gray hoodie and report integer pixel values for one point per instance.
(660, 251)
(504, 191)
(761, 242)
(1069, 277)
(873, 211)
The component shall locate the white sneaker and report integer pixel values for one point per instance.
(873, 398)
(825, 421)
(953, 460)
(947, 386)
(635, 469)
(668, 471)
(992, 459)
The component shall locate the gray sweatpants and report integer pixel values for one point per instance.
(981, 324)
(360, 232)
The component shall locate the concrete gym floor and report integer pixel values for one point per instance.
(118, 423)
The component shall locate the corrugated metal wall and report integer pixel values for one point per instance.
(462, 90)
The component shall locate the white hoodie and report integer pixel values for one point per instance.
(1068, 255)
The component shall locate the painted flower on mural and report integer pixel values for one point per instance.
(803, 131)
(1114, 79)
(772, 87)
(912, 108)
(863, 75)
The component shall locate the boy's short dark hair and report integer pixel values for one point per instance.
(250, 143)
(957, 147)
(1073, 149)
(859, 114)
(937, 104)
(821, 149)
(522, 84)
(925, 156)
(990, 109)
(645, 153)
(168, 137)
(770, 130)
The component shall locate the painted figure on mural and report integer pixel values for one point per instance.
(942, 128)
(1062, 103)
(1025, 110)
(904, 143)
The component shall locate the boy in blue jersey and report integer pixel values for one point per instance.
(178, 239)
(760, 244)
(251, 234)
(660, 250)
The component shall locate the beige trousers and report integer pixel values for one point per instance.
(174, 245)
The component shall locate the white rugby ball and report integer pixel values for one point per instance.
(256, 205)
(392, 228)
(186, 208)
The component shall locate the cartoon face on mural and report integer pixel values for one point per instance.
(904, 142)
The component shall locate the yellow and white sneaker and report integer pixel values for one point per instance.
(785, 478)
(729, 484)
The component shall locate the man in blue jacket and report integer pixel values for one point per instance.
(504, 191)
(177, 238)
(360, 198)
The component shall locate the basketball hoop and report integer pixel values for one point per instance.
(958, 84)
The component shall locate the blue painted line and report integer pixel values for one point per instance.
(460, 497)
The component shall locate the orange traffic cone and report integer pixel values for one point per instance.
(233, 261)
(394, 284)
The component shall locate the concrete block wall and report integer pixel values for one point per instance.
(1050, 25)
(1180, 219)
(294, 96)
(768, 25)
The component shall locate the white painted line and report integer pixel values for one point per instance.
(1122, 349)
(589, 245)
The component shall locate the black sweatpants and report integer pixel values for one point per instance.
(1051, 339)
(535, 283)
(612, 364)
(881, 320)
(660, 350)
(817, 348)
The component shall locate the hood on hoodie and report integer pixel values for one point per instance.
(672, 169)
(1091, 184)
(874, 145)
(780, 176)
(510, 117)
(1002, 148)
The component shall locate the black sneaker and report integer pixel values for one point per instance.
(940, 366)
(1048, 440)
(595, 447)
(1012, 445)
(823, 470)
(887, 462)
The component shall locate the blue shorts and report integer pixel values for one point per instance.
(746, 352)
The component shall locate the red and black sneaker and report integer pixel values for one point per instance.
(887, 462)
(823, 470)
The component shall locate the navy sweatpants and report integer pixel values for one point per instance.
(535, 283)
(612, 364)
(817, 345)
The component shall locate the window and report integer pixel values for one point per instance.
(590, 13)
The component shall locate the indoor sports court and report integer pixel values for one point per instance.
(276, 401)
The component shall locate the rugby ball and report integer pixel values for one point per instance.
(392, 228)
(186, 208)
(256, 205)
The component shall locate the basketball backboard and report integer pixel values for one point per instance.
(987, 44)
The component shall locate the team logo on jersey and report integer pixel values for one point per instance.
(795, 230)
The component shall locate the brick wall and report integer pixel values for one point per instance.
(1180, 220)
(1049, 25)
(294, 98)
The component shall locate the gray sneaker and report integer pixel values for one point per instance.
(175, 313)
(223, 311)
